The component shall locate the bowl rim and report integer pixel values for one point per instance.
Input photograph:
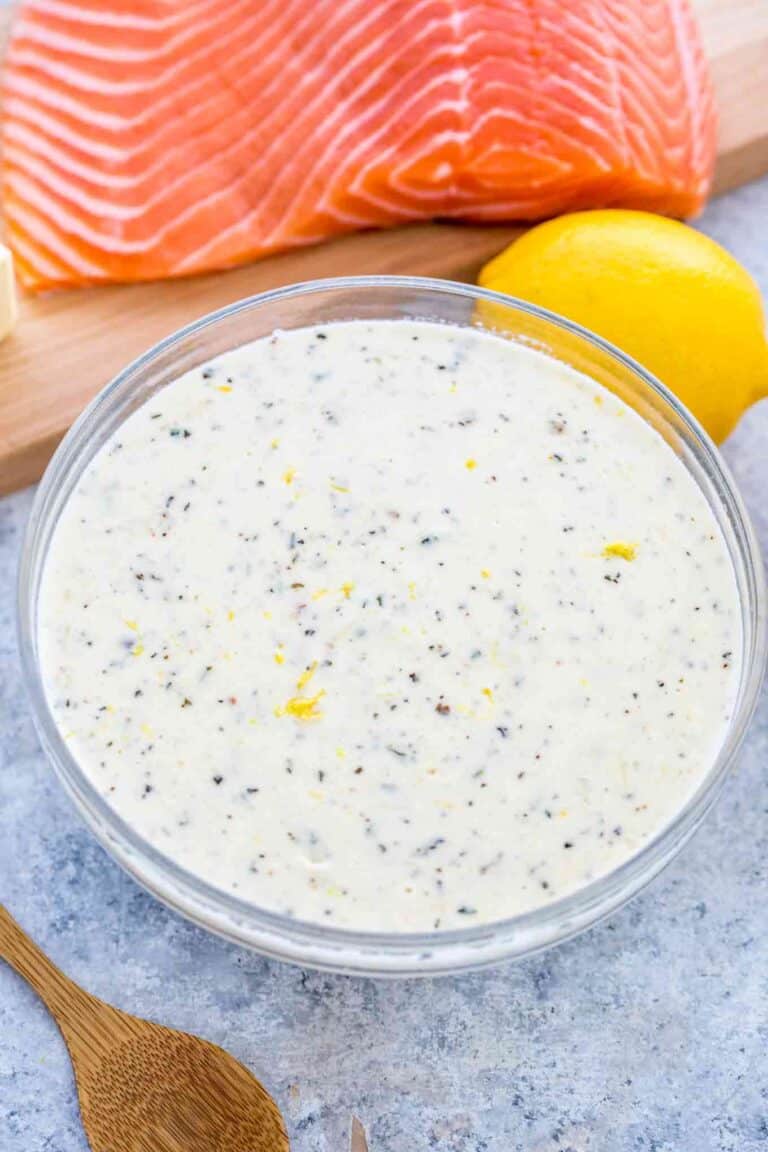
(370, 952)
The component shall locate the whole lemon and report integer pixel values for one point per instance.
(661, 291)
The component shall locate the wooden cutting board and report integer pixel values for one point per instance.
(68, 345)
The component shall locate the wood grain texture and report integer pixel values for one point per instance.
(67, 346)
(142, 1087)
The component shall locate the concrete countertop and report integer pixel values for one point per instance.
(646, 1034)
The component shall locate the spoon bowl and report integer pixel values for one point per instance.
(143, 1087)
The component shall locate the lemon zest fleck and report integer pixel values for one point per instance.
(301, 707)
(487, 692)
(338, 487)
(319, 594)
(274, 443)
(137, 649)
(340, 753)
(621, 550)
(279, 657)
(347, 588)
(230, 615)
(412, 590)
(223, 387)
(288, 475)
(485, 574)
(132, 625)
(267, 615)
(470, 464)
(306, 676)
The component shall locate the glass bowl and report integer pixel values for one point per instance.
(325, 301)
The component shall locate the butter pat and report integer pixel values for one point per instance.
(8, 307)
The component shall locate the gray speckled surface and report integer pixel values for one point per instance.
(648, 1033)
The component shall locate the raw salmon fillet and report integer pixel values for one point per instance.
(152, 138)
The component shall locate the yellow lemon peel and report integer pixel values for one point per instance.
(302, 707)
(621, 550)
(306, 676)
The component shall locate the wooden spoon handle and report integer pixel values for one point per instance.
(77, 1014)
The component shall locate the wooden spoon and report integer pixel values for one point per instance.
(144, 1088)
(357, 1140)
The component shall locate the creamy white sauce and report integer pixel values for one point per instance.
(331, 623)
